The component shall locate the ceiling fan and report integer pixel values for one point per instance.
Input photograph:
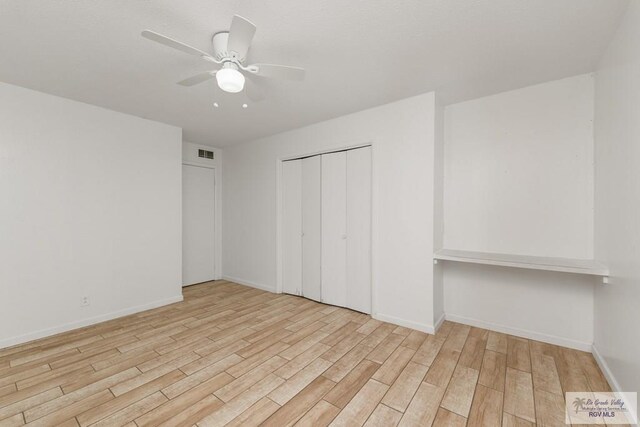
(230, 52)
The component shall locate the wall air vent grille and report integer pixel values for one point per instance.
(205, 154)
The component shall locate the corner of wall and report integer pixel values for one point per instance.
(617, 200)
(422, 327)
(438, 211)
(250, 283)
(606, 370)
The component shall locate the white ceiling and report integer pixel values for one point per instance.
(358, 54)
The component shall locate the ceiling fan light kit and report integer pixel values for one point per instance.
(230, 51)
(229, 78)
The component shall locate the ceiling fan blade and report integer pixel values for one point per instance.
(253, 90)
(167, 41)
(278, 71)
(198, 78)
(240, 36)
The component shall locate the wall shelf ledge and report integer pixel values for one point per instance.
(566, 265)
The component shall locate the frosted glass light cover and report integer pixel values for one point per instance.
(230, 80)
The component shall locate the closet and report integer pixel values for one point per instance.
(326, 217)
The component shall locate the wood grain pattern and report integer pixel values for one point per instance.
(256, 414)
(486, 408)
(319, 416)
(460, 392)
(518, 354)
(383, 416)
(473, 352)
(394, 364)
(550, 408)
(429, 349)
(497, 342)
(518, 395)
(446, 418)
(351, 384)
(403, 389)
(238, 356)
(545, 374)
(301, 403)
(494, 370)
(424, 406)
(362, 405)
(509, 420)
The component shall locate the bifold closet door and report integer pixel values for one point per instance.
(292, 227)
(311, 228)
(358, 219)
(334, 228)
(326, 247)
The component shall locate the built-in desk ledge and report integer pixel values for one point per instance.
(566, 265)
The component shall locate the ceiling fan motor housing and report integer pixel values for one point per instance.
(219, 42)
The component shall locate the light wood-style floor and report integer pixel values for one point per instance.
(233, 355)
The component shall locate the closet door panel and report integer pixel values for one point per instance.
(358, 219)
(311, 228)
(334, 228)
(292, 227)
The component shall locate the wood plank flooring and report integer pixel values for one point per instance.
(233, 355)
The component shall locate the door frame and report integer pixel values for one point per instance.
(374, 217)
(217, 241)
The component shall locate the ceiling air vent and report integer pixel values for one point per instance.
(205, 154)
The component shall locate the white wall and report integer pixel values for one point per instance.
(519, 171)
(402, 136)
(617, 136)
(542, 305)
(90, 207)
(190, 157)
(438, 214)
(519, 179)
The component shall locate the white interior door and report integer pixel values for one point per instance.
(358, 218)
(334, 228)
(198, 224)
(311, 228)
(292, 227)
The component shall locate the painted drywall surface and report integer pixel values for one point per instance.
(617, 139)
(519, 179)
(402, 137)
(190, 157)
(358, 54)
(438, 213)
(519, 171)
(546, 306)
(90, 207)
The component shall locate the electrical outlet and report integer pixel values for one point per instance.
(84, 301)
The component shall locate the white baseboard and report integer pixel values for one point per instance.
(439, 322)
(271, 289)
(604, 367)
(423, 327)
(385, 318)
(8, 342)
(550, 339)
